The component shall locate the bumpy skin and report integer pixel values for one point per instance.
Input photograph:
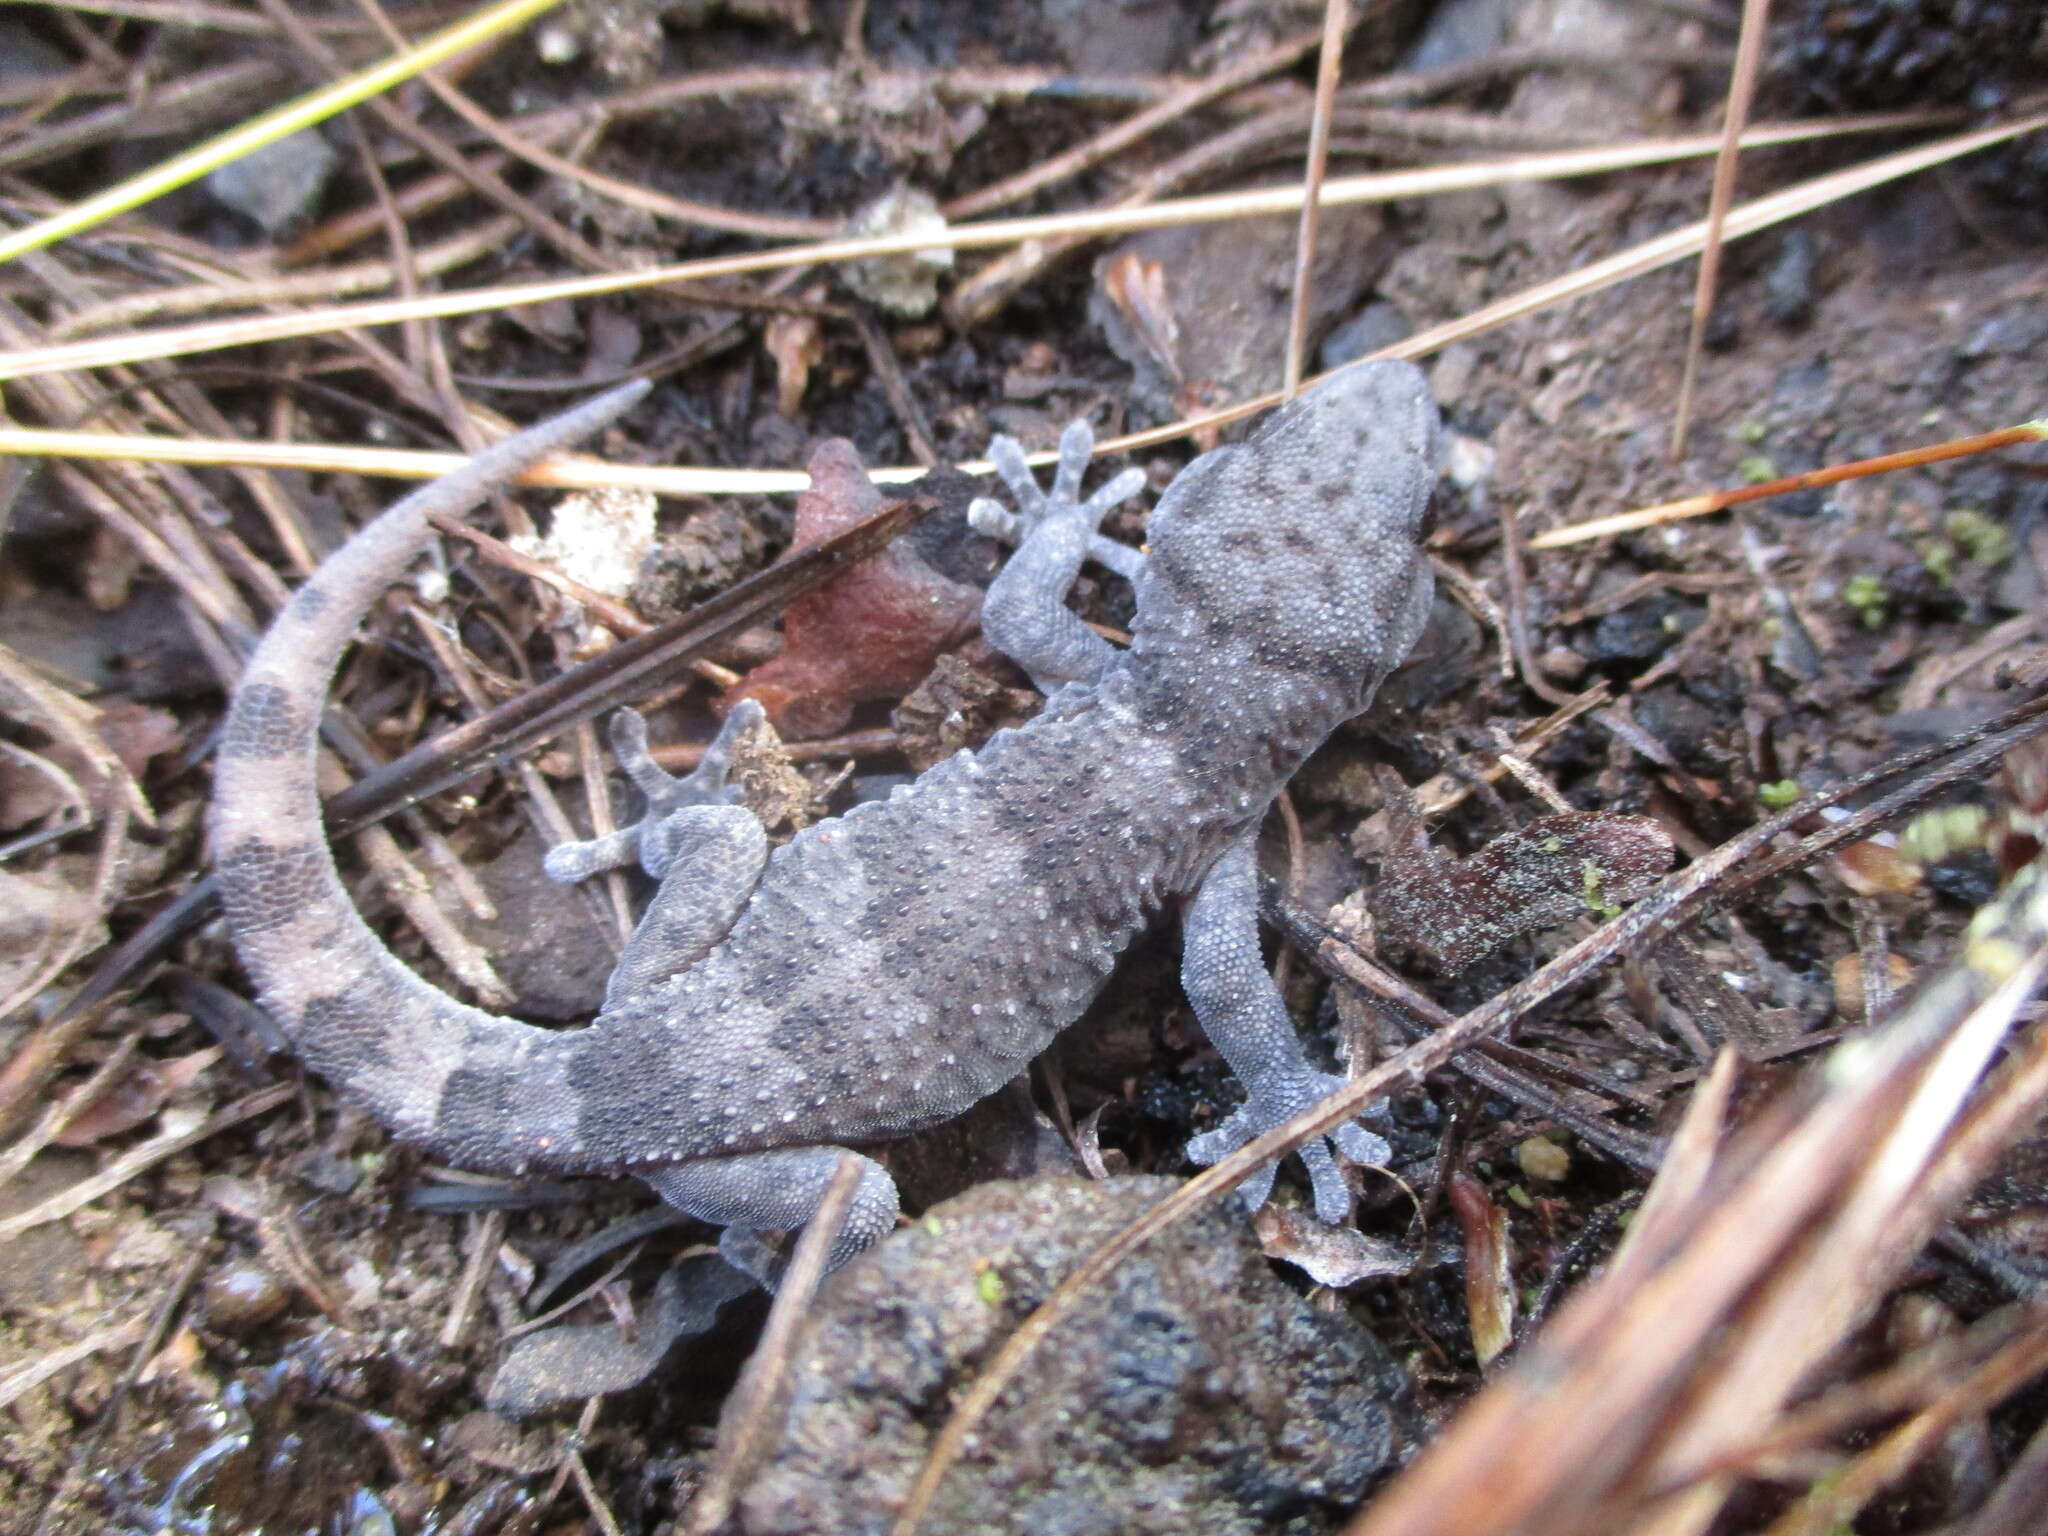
(884, 970)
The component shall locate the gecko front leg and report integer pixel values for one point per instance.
(1240, 1010)
(1025, 615)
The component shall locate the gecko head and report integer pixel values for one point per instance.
(1294, 555)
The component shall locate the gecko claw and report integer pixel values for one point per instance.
(1262, 1113)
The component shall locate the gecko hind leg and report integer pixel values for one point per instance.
(756, 1193)
(1025, 615)
(1243, 1015)
(707, 853)
(655, 839)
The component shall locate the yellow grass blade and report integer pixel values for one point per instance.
(314, 107)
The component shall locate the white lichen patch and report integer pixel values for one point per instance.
(906, 284)
(597, 539)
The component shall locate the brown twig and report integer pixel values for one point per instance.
(613, 676)
(168, 106)
(144, 1156)
(1329, 70)
(1132, 130)
(682, 756)
(1715, 501)
(1645, 257)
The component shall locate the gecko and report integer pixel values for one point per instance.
(886, 968)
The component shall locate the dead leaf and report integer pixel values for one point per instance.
(797, 343)
(1849, 983)
(137, 733)
(1332, 1256)
(1489, 1266)
(133, 1097)
(1876, 869)
(1136, 286)
(1578, 863)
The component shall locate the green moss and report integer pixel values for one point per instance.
(1938, 834)
(1779, 795)
(1939, 556)
(988, 1285)
(1864, 594)
(1982, 539)
(1594, 882)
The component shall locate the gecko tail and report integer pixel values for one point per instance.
(475, 1088)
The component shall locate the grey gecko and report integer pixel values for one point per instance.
(886, 969)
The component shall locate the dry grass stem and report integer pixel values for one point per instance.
(34, 1373)
(1749, 53)
(1650, 255)
(1329, 70)
(1679, 899)
(314, 107)
(1739, 1282)
(683, 481)
(1381, 187)
(194, 13)
(1132, 130)
(753, 1411)
(139, 1158)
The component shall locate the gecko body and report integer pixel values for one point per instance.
(887, 968)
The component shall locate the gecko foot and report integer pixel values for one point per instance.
(652, 840)
(1035, 505)
(1260, 1113)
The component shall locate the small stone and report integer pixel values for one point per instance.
(279, 184)
(1541, 1158)
(1192, 1390)
(1642, 631)
(1468, 462)
(1378, 325)
(1683, 724)
(241, 1298)
(1789, 285)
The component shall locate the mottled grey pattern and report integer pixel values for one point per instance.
(886, 969)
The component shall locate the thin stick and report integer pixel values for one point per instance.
(1130, 131)
(188, 13)
(1716, 501)
(147, 1155)
(754, 1407)
(1749, 50)
(586, 474)
(1651, 920)
(1648, 256)
(35, 1372)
